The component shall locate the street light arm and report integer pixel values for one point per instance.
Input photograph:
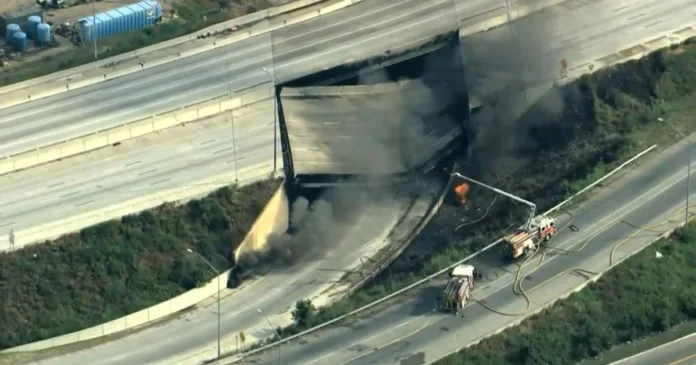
(206, 261)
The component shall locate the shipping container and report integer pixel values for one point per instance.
(118, 21)
(19, 15)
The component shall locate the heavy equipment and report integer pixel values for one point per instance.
(459, 287)
(527, 238)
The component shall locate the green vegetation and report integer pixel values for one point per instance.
(122, 266)
(641, 296)
(192, 15)
(609, 116)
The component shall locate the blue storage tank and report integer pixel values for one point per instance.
(10, 31)
(20, 41)
(43, 33)
(32, 22)
(124, 19)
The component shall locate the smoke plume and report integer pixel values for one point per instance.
(318, 227)
(510, 69)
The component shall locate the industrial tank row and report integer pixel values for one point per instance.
(35, 29)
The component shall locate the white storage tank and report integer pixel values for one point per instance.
(43, 33)
(32, 22)
(10, 31)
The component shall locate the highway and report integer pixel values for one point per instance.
(408, 330)
(366, 29)
(194, 78)
(47, 197)
(678, 352)
(581, 32)
(187, 339)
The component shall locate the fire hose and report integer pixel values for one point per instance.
(517, 287)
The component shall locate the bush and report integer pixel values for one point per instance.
(122, 266)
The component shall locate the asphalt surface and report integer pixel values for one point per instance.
(410, 330)
(172, 341)
(366, 29)
(678, 352)
(528, 53)
(51, 195)
(188, 339)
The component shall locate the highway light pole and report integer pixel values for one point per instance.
(688, 169)
(275, 120)
(274, 330)
(218, 297)
(94, 26)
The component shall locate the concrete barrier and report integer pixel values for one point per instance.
(472, 24)
(243, 20)
(628, 53)
(273, 219)
(251, 18)
(132, 130)
(75, 223)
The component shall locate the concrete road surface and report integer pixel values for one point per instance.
(49, 196)
(678, 352)
(364, 30)
(529, 53)
(410, 329)
(191, 338)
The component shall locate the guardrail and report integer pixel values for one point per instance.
(263, 224)
(18, 94)
(132, 130)
(239, 357)
(481, 22)
(243, 20)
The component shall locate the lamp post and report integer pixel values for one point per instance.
(274, 330)
(218, 297)
(688, 168)
(275, 119)
(94, 27)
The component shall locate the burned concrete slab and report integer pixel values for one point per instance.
(369, 130)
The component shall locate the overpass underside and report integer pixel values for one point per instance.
(344, 134)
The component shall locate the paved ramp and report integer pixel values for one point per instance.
(379, 129)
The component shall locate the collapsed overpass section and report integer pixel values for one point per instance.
(368, 131)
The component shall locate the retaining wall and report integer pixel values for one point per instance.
(275, 218)
(135, 129)
(265, 224)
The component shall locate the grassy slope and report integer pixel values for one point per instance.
(121, 266)
(609, 117)
(641, 296)
(191, 18)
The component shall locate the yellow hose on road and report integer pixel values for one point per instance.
(519, 278)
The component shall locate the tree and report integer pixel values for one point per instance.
(304, 312)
